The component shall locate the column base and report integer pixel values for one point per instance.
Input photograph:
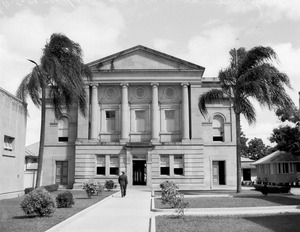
(155, 141)
(124, 141)
(186, 141)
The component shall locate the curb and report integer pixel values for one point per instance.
(237, 211)
(59, 225)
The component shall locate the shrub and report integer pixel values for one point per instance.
(51, 187)
(65, 200)
(171, 196)
(92, 187)
(28, 190)
(109, 185)
(38, 201)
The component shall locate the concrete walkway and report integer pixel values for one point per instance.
(113, 214)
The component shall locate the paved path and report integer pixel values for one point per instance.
(114, 214)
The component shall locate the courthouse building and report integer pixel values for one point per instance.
(143, 118)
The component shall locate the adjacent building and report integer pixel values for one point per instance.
(278, 168)
(143, 118)
(13, 116)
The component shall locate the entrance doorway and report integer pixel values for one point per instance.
(139, 171)
(219, 173)
(61, 176)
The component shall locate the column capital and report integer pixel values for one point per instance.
(124, 84)
(94, 85)
(153, 84)
(185, 84)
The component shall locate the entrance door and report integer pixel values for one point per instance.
(61, 172)
(218, 172)
(139, 172)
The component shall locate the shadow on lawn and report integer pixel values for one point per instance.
(26, 217)
(278, 223)
(278, 199)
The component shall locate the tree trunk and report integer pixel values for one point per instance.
(238, 153)
(42, 139)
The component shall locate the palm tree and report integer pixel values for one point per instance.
(250, 75)
(60, 73)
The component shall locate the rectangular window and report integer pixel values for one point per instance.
(298, 167)
(170, 120)
(140, 116)
(164, 165)
(110, 121)
(285, 168)
(114, 165)
(100, 167)
(178, 164)
(63, 130)
(8, 143)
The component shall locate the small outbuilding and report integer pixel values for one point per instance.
(249, 174)
(278, 168)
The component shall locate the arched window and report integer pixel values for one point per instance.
(63, 129)
(218, 128)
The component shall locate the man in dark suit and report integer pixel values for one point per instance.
(123, 183)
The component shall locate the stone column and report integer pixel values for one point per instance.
(125, 114)
(185, 112)
(83, 122)
(94, 112)
(155, 113)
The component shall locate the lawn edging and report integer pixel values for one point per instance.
(61, 224)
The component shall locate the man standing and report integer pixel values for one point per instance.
(123, 183)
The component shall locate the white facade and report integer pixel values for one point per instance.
(13, 113)
(144, 119)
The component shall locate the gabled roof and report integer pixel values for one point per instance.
(148, 58)
(32, 150)
(278, 157)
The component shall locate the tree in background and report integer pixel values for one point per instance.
(244, 146)
(256, 149)
(250, 75)
(287, 139)
(60, 72)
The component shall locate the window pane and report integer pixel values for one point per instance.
(101, 160)
(164, 171)
(110, 120)
(110, 114)
(164, 160)
(114, 161)
(140, 121)
(114, 171)
(178, 171)
(170, 120)
(100, 170)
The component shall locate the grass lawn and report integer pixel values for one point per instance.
(237, 201)
(13, 219)
(279, 223)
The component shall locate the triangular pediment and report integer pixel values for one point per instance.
(142, 58)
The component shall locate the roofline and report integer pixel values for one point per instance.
(132, 49)
(12, 96)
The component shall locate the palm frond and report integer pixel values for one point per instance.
(210, 97)
(245, 107)
(255, 57)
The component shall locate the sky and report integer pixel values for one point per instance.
(199, 31)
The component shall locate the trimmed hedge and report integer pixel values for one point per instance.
(49, 188)
(273, 189)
